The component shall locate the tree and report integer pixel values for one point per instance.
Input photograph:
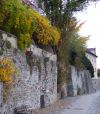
(77, 44)
(76, 50)
(87, 65)
(60, 13)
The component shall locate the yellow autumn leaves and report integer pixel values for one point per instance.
(23, 21)
(46, 33)
(7, 73)
(7, 70)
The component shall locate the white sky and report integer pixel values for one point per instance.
(92, 27)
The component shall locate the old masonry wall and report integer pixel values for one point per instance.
(80, 82)
(31, 90)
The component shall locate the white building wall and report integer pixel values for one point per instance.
(93, 62)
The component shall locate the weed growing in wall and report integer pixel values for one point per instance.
(7, 71)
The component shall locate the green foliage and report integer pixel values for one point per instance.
(81, 61)
(77, 44)
(61, 16)
(87, 65)
(73, 48)
(59, 13)
(24, 22)
(24, 41)
(46, 34)
(17, 19)
(77, 48)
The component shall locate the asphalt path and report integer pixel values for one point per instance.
(84, 104)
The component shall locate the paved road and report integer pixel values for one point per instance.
(85, 104)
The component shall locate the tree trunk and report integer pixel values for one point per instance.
(63, 63)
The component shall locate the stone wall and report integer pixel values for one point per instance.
(80, 82)
(1, 96)
(96, 84)
(31, 90)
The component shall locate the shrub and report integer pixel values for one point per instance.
(7, 70)
(23, 21)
